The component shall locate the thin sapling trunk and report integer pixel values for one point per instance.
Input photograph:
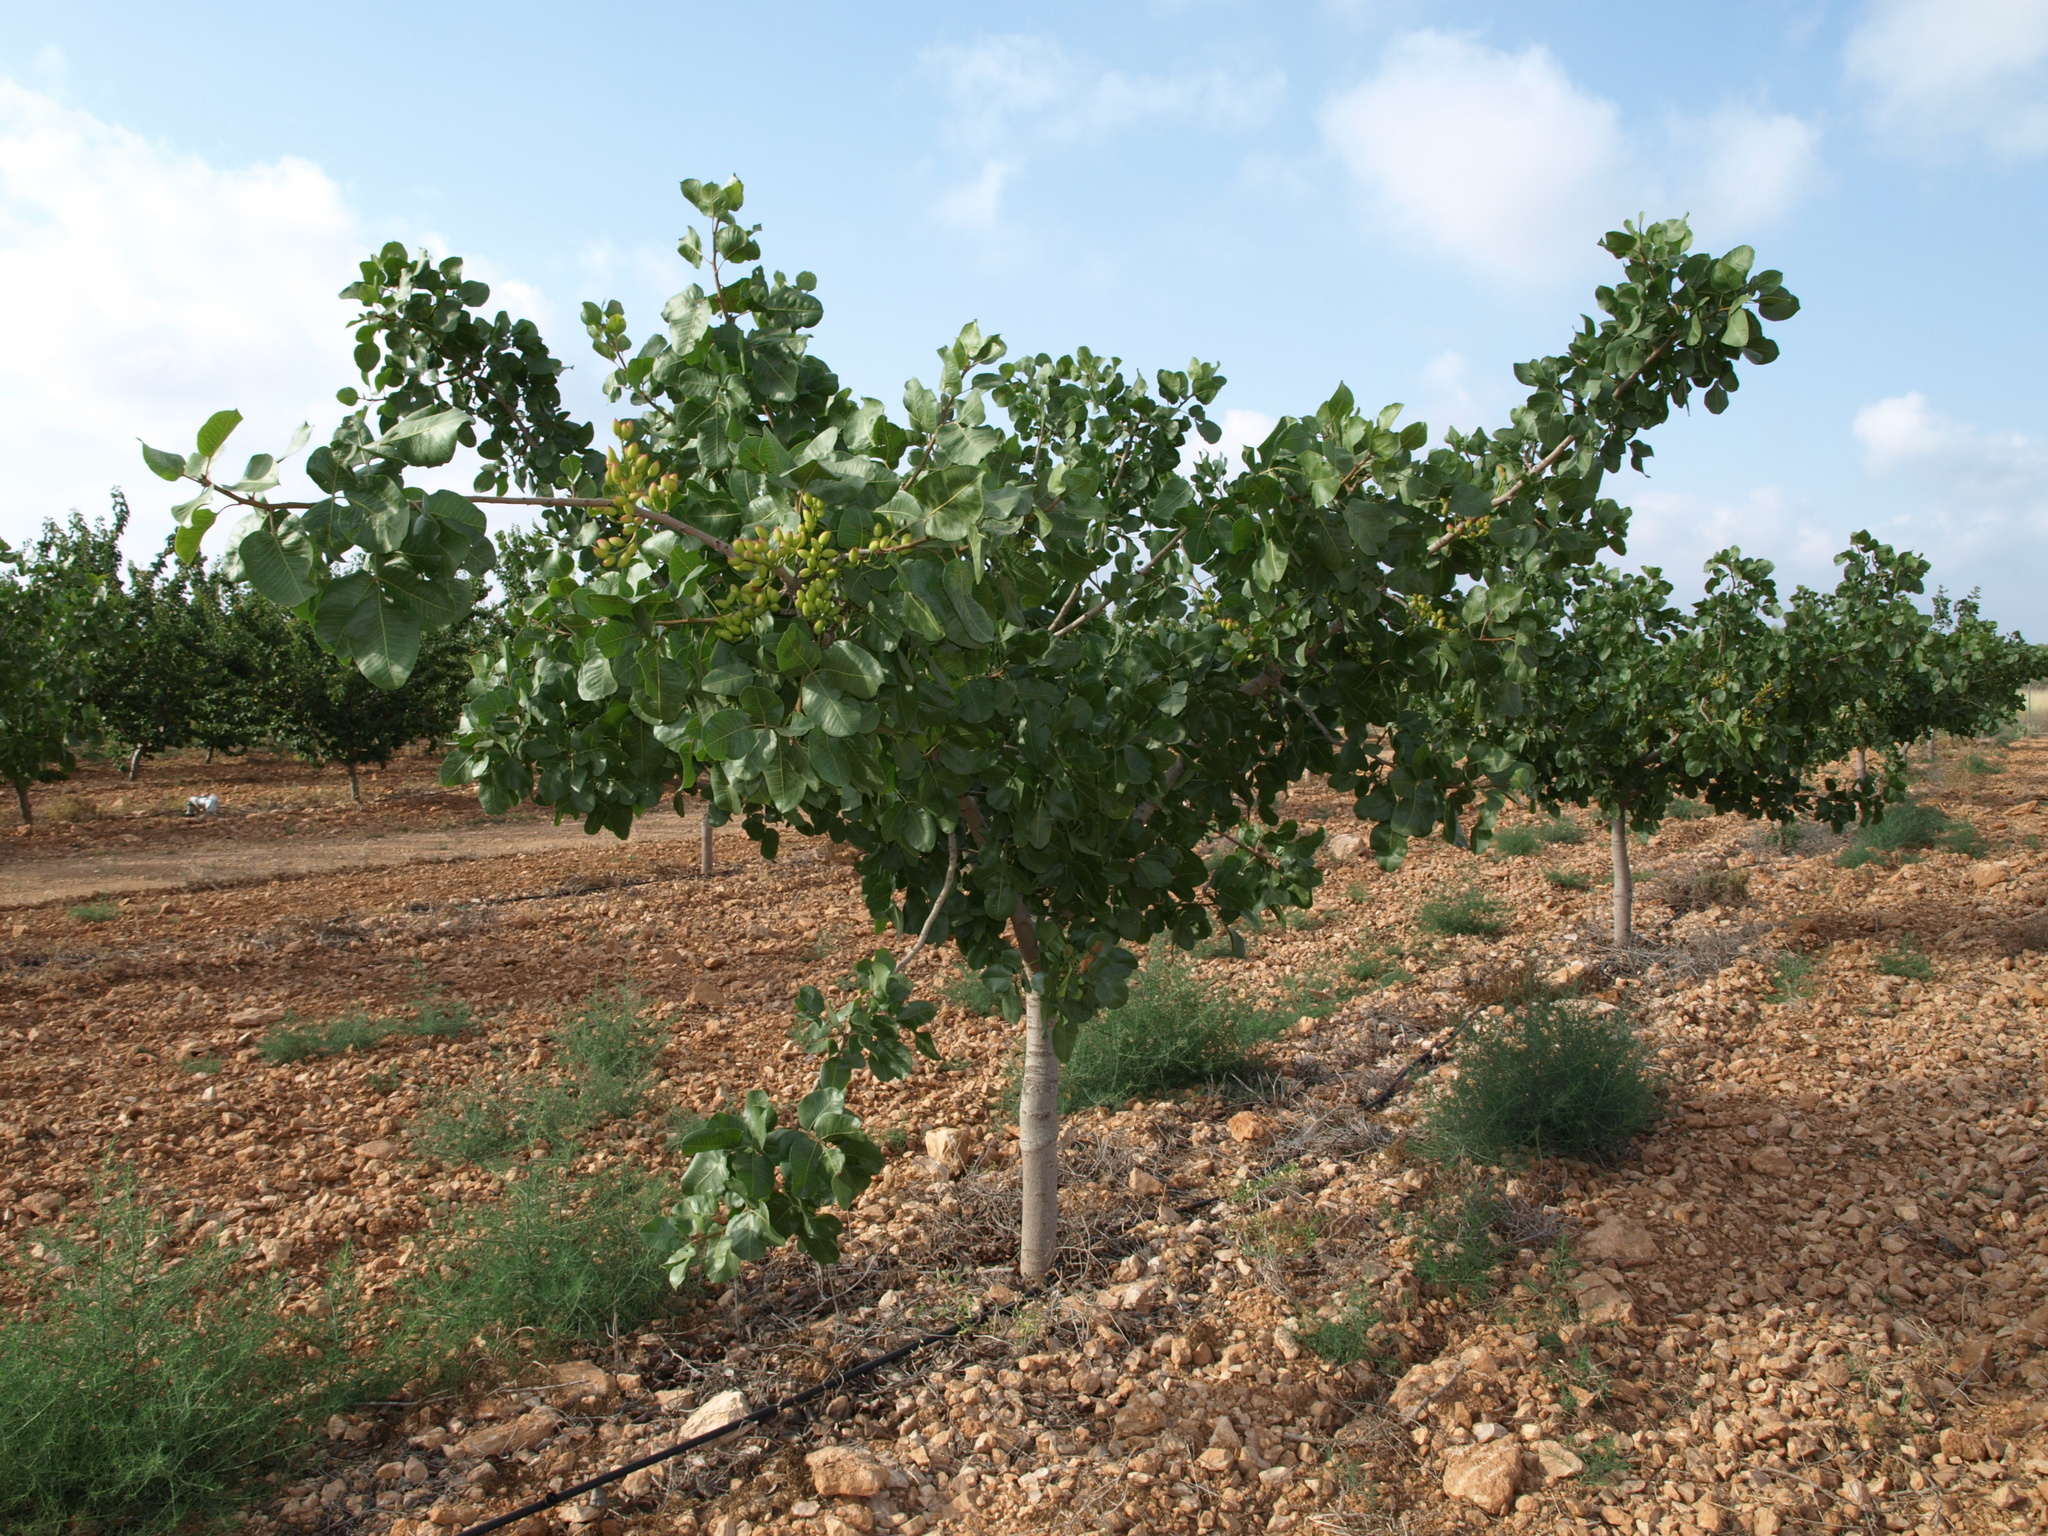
(705, 862)
(134, 764)
(1038, 1117)
(355, 789)
(1624, 884)
(21, 799)
(1862, 765)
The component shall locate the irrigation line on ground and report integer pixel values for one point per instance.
(758, 1416)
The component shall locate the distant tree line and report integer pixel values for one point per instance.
(97, 654)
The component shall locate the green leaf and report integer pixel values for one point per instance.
(277, 567)
(384, 639)
(1737, 332)
(721, 1133)
(958, 580)
(796, 651)
(594, 678)
(165, 466)
(664, 691)
(837, 715)
(215, 432)
(726, 735)
(688, 315)
(851, 670)
(424, 439)
(194, 518)
(952, 501)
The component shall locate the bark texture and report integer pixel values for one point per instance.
(1038, 1115)
(704, 861)
(1624, 885)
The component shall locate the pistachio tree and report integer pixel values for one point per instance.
(1049, 683)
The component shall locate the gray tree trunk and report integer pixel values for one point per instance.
(21, 799)
(1038, 1117)
(705, 862)
(355, 789)
(1862, 764)
(134, 764)
(1624, 885)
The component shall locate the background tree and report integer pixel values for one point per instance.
(56, 605)
(1007, 649)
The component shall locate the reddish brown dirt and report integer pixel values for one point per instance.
(1832, 1320)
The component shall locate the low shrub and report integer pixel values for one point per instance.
(93, 912)
(1561, 829)
(1791, 976)
(1357, 1332)
(1568, 880)
(143, 1389)
(70, 807)
(965, 989)
(1905, 829)
(1695, 890)
(1977, 762)
(358, 1031)
(1470, 911)
(1514, 843)
(560, 1260)
(1906, 960)
(1455, 1246)
(1688, 810)
(1551, 1079)
(1377, 968)
(606, 1052)
(1176, 1031)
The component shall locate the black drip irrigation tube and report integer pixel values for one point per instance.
(758, 1416)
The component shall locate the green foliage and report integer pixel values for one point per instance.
(93, 912)
(1568, 880)
(1978, 763)
(1177, 1031)
(1552, 1079)
(1357, 1333)
(1514, 843)
(1377, 967)
(1907, 828)
(1455, 1247)
(1048, 682)
(606, 1052)
(358, 1031)
(1561, 829)
(1605, 1461)
(1470, 911)
(143, 1390)
(879, 1027)
(560, 1259)
(1791, 977)
(1906, 960)
(964, 988)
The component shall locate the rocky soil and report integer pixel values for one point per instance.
(1813, 1299)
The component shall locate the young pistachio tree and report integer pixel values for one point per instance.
(1642, 704)
(1048, 685)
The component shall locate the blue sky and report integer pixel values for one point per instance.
(1397, 194)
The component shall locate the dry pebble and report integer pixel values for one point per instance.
(1815, 1299)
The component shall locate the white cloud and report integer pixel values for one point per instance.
(1984, 490)
(1501, 160)
(149, 289)
(1679, 531)
(1013, 95)
(1938, 72)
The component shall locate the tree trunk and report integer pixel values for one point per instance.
(134, 764)
(28, 816)
(355, 789)
(1038, 1117)
(705, 862)
(1862, 765)
(209, 757)
(1624, 885)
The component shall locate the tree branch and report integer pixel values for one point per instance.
(945, 893)
(1143, 571)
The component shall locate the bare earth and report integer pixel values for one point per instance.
(1813, 1300)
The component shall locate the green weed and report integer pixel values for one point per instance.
(1583, 1383)
(1688, 810)
(1561, 829)
(1470, 911)
(606, 1052)
(1552, 1079)
(1377, 968)
(560, 1259)
(1279, 1234)
(1791, 976)
(1605, 1462)
(93, 912)
(201, 1066)
(1514, 843)
(1568, 880)
(1349, 1337)
(1904, 829)
(1176, 1031)
(358, 1031)
(1455, 1247)
(1906, 960)
(1977, 762)
(142, 1389)
(966, 989)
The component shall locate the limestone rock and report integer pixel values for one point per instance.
(1425, 1385)
(1621, 1242)
(1138, 1418)
(521, 1434)
(1245, 1126)
(705, 993)
(1554, 1461)
(1772, 1163)
(579, 1382)
(1144, 1185)
(718, 1411)
(846, 1472)
(2033, 1329)
(1487, 1475)
(1601, 1301)
(947, 1146)
(378, 1150)
(1343, 848)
